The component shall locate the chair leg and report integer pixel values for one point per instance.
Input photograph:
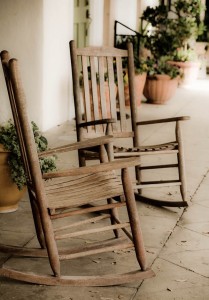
(134, 220)
(158, 202)
(114, 216)
(82, 160)
(105, 156)
(138, 178)
(37, 221)
(181, 170)
(183, 189)
(51, 245)
(180, 158)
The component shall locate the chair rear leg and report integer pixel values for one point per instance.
(51, 245)
(134, 219)
(138, 178)
(113, 216)
(82, 160)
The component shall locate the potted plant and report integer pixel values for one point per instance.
(162, 80)
(186, 60)
(173, 30)
(12, 174)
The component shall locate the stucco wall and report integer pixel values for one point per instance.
(57, 32)
(21, 34)
(96, 26)
(125, 12)
(37, 33)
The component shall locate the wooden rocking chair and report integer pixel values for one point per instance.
(63, 195)
(96, 71)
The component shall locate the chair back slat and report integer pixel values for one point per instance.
(102, 90)
(85, 91)
(121, 98)
(112, 93)
(94, 89)
(105, 110)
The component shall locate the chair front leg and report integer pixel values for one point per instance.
(134, 219)
(181, 167)
(37, 220)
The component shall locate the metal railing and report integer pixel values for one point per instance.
(120, 40)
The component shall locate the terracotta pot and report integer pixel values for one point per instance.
(159, 89)
(9, 193)
(139, 82)
(190, 70)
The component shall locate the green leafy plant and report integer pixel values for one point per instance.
(9, 140)
(141, 67)
(165, 30)
(184, 55)
(161, 66)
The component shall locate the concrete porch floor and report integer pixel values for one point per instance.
(176, 240)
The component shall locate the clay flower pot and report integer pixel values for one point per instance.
(160, 88)
(10, 195)
(139, 82)
(190, 71)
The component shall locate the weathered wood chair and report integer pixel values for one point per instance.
(95, 71)
(65, 195)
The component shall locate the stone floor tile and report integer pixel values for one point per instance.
(195, 293)
(19, 291)
(156, 230)
(195, 214)
(188, 249)
(173, 282)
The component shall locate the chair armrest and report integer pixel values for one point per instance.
(96, 122)
(78, 145)
(108, 166)
(175, 119)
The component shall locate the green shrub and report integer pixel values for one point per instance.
(9, 139)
